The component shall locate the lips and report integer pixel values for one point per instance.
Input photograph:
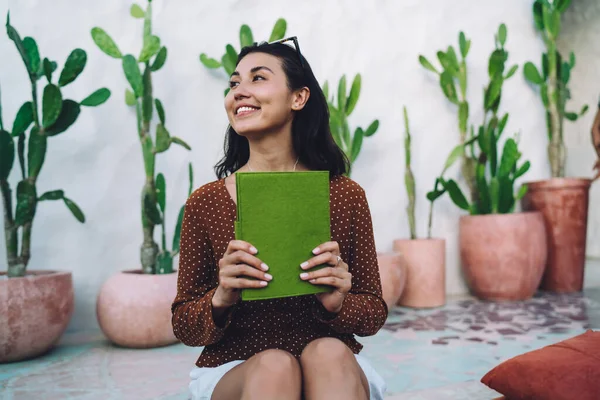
(245, 110)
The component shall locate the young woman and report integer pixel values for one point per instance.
(290, 348)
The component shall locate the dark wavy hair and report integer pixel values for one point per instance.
(311, 136)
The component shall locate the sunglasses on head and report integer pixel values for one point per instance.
(293, 39)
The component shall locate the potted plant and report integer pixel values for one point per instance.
(503, 252)
(133, 306)
(26, 329)
(562, 200)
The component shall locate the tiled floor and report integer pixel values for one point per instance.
(422, 354)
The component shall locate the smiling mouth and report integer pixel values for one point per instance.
(245, 110)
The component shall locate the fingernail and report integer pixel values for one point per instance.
(268, 277)
(263, 283)
(253, 249)
(264, 266)
(304, 275)
(304, 264)
(316, 250)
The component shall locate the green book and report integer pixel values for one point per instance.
(285, 215)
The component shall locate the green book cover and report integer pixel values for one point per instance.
(285, 215)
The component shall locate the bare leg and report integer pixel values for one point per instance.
(271, 374)
(330, 371)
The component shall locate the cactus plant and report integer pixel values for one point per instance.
(229, 59)
(553, 80)
(57, 115)
(152, 56)
(494, 176)
(338, 119)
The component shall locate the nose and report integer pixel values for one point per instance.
(241, 92)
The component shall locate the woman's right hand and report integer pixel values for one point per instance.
(237, 264)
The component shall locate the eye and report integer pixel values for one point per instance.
(232, 84)
(258, 76)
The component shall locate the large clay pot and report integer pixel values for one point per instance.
(134, 309)
(392, 270)
(503, 255)
(564, 205)
(34, 313)
(426, 272)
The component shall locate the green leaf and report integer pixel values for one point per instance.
(150, 48)
(148, 155)
(105, 43)
(278, 31)
(354, 93)
(33, 55)
(494, 194)
(572, 60)
(502, 124)
(342, 94)
(522, 192)
(21, 152)
(177, 233)
(150, 210)
(551, 22)
(484, 202)
(52, 195)
(522, 170)
(456, 194)
(165, 263)
(463, 44)
(209, 62)
(545, 66)
(447, 84)
(372, 128)
(96, 98)
(48, 68)
(325, 90)
(163, 138)
(231, 56)
(511, 72)
(75, 210)
(435, 194)
(493, 92)
(160, 59)
(537, 15)
(160, 110)
(506, 198)
(565, 73)
(510, 156)
(583, 110)
(133, 75)
(463, 116)
(51, 105)
(137, 12)
(246, 38)
(502, 34)
(571, 116)
(562, 5)
(161, 192)
(356, 143)
(68, 115)
(191, 179)
(544, 95)
(73, 67)
(531, 73)
(427, 65)
(180, 142)
(7, 154)
(454, 155)
(36, 152)
(130, 98)
(26, 203)
(23, 119)
(451, 56)
(147, 106)
(14, 36)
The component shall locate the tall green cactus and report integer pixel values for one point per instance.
(409, 179)
(553, 80)
(494, 176)
(152, 56)
(229, 59)
(338, 118)
(57, 115)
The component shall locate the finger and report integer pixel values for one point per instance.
(240, 283)
(325, 258)
(337, 283)
(324, 272)
(239, 270)
(236, 245)
(327, 246)
(241, 257)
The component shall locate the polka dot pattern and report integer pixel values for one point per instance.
(289, 323)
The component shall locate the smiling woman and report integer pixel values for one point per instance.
(290, 347)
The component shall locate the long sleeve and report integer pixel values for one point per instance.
(364, 311)
(192, 318)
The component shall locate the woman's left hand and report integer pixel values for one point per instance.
(336, 276)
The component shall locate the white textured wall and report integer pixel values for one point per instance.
(98, 162)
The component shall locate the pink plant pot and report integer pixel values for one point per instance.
(134, 309)
(503, 255)
(426, 275)
(392, 270)
(34, 313)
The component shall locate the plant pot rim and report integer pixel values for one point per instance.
(516, 214)
(559, 183)
(39, 273)
(421, 239)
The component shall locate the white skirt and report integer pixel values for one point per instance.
(204, 380)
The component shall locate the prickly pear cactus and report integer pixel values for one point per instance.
(138, 72)
(33, 126)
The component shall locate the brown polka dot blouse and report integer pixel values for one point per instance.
(289, 323)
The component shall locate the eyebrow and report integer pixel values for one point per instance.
(253, 70)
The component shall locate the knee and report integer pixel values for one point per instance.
(272, 366)
(325, 351)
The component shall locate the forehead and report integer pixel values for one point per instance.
(256, 60)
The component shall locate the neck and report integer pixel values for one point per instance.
(272, 153)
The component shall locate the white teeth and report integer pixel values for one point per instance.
(241, 109)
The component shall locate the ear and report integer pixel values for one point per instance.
(299, 98)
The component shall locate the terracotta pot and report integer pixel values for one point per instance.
(564, 205)
(503, 255)
(392, 270)
(426, 272)
(34, 313)
(134, 309)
